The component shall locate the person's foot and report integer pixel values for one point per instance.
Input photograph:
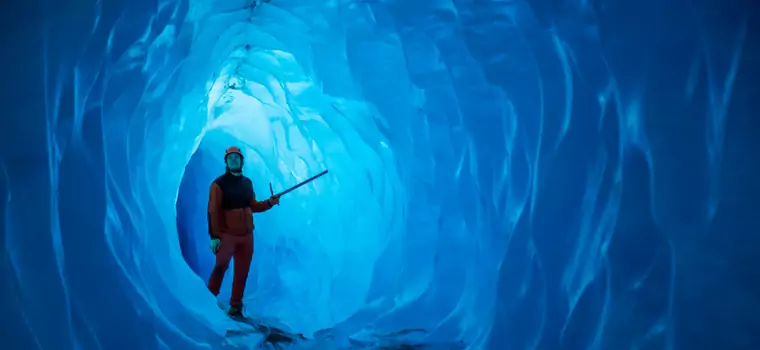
(236, 311)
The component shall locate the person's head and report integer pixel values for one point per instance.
(233, 159)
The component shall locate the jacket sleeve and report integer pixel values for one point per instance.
(259, 207)
(214, 210)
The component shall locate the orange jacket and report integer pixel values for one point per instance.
(231, 203)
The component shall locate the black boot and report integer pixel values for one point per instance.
(236, 311)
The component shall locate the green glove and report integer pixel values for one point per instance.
(214, 245)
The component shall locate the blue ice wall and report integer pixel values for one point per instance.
(503, 175)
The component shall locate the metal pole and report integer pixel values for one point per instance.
(296, 186)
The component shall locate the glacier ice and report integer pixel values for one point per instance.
(503, 174)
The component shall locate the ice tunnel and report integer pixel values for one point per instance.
(518, 174)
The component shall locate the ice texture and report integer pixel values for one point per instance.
(502, 174)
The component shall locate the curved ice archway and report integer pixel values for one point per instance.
(547, 178)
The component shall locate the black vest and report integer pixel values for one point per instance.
(237, 191)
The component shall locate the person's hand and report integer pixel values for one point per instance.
(274, 200)
(214, 245)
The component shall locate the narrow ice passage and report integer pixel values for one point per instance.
(502, 175)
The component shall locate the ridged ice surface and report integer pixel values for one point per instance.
(502, 174)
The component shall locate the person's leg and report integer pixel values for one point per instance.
(243, 255)
(223, 256)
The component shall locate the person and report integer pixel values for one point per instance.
(231, 203)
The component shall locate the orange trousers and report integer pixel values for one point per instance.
(241, 249)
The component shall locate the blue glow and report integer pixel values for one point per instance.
(502, 175)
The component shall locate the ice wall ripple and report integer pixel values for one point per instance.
(639, 187)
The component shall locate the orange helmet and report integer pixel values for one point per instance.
(231, 150)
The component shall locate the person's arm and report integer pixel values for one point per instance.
(260, 207)
(214, 210)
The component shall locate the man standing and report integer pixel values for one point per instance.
(230, 206)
